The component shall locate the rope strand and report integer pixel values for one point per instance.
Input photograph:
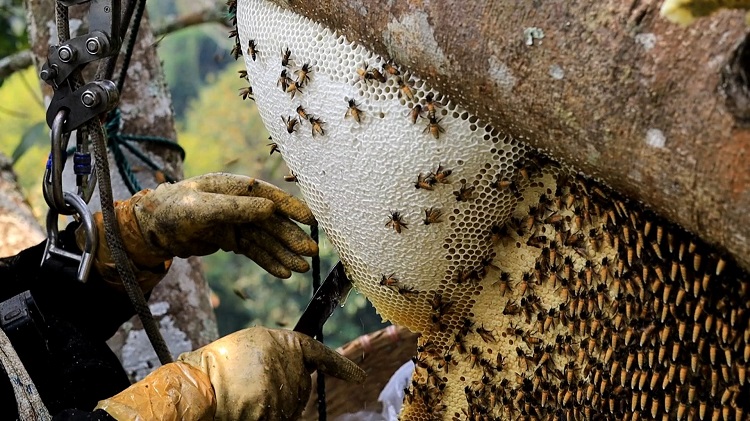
(114, 240)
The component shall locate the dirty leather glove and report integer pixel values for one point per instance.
(253, 374)
(203, 214)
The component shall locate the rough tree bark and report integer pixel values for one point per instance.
(181, 301)
(18, 227)
(656, 111)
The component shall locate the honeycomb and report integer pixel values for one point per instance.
(538, 293)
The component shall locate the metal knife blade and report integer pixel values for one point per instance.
(331, 293)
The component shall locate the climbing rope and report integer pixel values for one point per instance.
(112, 232)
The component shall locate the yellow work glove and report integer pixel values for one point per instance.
(203, 214)
(253, 374)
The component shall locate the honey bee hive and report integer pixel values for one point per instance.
(538, 293)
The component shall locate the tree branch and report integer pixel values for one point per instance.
(15, 62)
(23, 59)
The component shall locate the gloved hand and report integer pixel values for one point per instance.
(200, 215)
(252, 374)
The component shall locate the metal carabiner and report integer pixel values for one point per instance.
(81, 165)
(52, 183)
(53, 249)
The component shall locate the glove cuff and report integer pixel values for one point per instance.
(175, 391)
(149, 267)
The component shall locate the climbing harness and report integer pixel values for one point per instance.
(77, 106)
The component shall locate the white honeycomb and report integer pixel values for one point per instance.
(355, 174)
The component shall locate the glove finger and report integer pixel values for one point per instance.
(260, 256)
(289, 234)
(280, 253)
(222, 183)
(240, 185)
(212, 208)
(328, 361)
(286, 204)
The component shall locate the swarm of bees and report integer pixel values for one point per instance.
(619, 315)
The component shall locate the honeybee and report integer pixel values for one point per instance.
(390, 281)
(243, 74)
(236, 50)
(375, 74)
(441, 175)
(432, 216)
(408, 293)
(246, 92)
(252, 51)
(303, 74)
(353, 111)
(439, 305)
(317, 126)
(241, 293)
(366, 74)
(431, 105)
(486, 334)
(302, 113)
(415, 113)
(291, 178)
(464, 193)
(405, 89)
(434, 128)
(504, 283)
(502, 183)
(284, 81)
(286, 57)
(396, 222)
(425, 182)
(291, 123)
(363, 71)
(512, 309)
(274, 147)
(389, 68)
(293, 87)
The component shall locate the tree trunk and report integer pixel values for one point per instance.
(181, 301)
(18, 227)
(656, 111)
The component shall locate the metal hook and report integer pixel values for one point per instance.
(53, 250)
(86, 185)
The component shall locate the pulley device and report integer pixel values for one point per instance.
(73, 105)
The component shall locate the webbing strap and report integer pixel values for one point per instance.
(30, 405)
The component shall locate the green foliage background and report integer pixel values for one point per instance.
(220, 132)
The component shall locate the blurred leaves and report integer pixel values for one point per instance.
(24, 135)
(13, 31)
(34, 135)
